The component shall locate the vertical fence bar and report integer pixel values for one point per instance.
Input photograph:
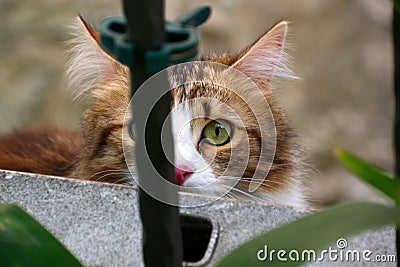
(162, 242)
(396, 48)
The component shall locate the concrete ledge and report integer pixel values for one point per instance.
(100, 223)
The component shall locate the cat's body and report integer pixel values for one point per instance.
(45, 150)
(96, 153)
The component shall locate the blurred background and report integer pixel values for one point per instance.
(341, 49)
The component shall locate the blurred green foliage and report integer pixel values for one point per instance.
(24, 242)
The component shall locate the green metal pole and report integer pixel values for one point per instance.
(162, 241)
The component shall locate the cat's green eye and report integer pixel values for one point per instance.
(217, 133)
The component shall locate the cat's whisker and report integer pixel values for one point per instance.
(129, 183)
(265, 196)
(124, 181)
(266, 182)
(109, 174)
(243, 181)
(250, 196)
(101, 177)
(249, 179)
(100, 172)
(231, 178)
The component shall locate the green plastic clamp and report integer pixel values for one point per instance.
(181, 41)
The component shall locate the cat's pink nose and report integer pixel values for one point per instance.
(181, 175)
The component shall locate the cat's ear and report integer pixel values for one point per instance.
(88, 63)
(266, 58)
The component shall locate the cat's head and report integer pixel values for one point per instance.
(208, 136)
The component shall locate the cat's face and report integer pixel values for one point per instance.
(216, 133)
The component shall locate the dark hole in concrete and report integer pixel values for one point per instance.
(199, 239)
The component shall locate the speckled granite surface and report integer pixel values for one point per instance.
(100, 223)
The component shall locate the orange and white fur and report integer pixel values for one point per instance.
(96, 152)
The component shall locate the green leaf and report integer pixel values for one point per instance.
(316, 231)
(24, 242)
(378, 178)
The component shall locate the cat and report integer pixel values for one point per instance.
(96, 152)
